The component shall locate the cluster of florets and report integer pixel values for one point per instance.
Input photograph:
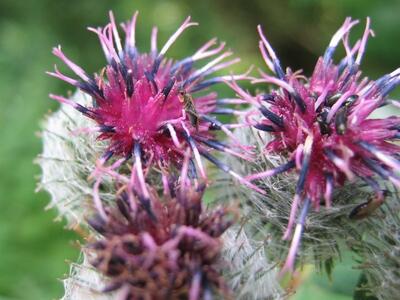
(146, 101)
(321, 124)
(147, 109)
(165, 248)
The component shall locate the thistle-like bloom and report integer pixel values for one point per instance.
(147, 102)
(169, 252)
(321, 124)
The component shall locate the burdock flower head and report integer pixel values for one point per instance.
(150, 103)
(322, 125)
(164, 248)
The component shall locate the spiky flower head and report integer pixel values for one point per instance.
(149, 102)
(168, 248)
(321, 125)
(265, 217)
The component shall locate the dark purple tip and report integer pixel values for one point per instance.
(146, 204)
(274, 118)
(167, 89)
(150, 78)
(98, 224)
(107, 129)
(268, 97)
(303, 174)
(300, 102)
(265, 127)
(278, 69)
(214, 123)
(215, 161)
(85, 111)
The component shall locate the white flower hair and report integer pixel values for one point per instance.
(67, 160)
(250, 274)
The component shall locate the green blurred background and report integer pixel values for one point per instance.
(33, 248)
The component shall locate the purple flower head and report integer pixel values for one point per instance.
(321, 124)
(161, 248)
(149, 106)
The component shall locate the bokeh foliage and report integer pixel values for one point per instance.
(33, 248)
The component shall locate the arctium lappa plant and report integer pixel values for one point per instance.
(143, 101)
(148, 103)
(123, 159)
(324, 162)
(123, 162)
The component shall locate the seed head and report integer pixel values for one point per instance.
(161, 248)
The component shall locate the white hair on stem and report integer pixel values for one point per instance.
(249, 274)
(67, 159)
(85, 283)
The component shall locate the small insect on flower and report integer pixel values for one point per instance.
(150, 103)
(365, 209)
(189, 107)
(171, 253)
(322, 125)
